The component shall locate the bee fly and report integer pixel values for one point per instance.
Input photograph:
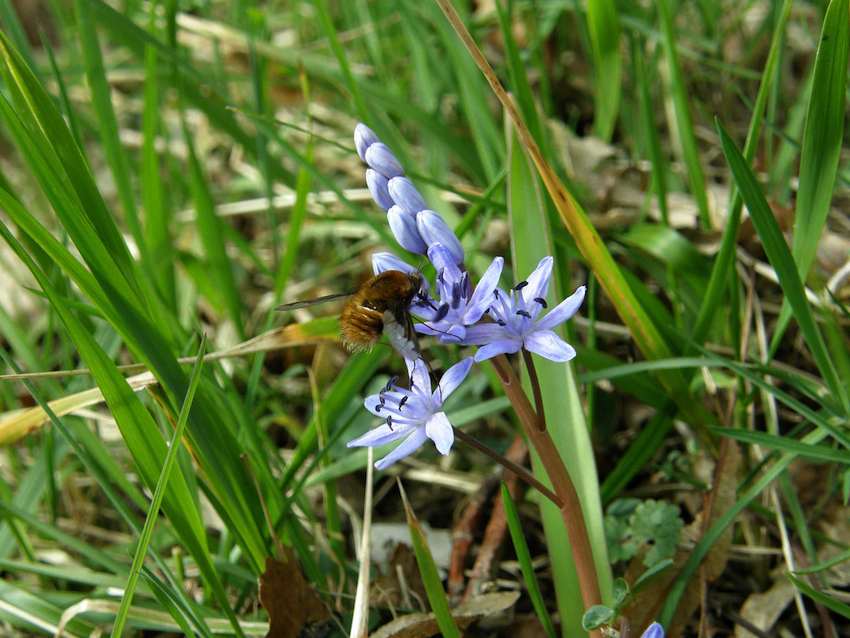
(380, 306)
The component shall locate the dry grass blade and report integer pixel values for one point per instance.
(17, 424)
(575, 219)
(360, 617)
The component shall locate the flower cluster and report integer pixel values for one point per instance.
(498, 321)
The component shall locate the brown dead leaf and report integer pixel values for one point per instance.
(425, 625)
(646, 605)
(401, 585)
(288, 598)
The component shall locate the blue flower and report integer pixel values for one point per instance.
(414, 414)
(516, 324)
(655, 630)
(459, 305)
(414, 225)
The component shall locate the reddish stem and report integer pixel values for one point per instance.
(571, 510)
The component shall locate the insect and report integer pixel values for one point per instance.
(379, 306)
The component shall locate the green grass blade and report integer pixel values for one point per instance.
(713, 534)
(525, 564)
(783, 263)
(158, 494)
(116, 156)
(830, 602)
(430, 576)
(647, 115)
(683, 121)
(604, 28)
(156, 222)
(719, 280)
(212, 237)
(786, 444)
(530, 242)
(821, 145)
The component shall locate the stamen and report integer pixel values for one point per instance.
(403, 401)
(520, 285)
(496, 293)
(378, 407)
(442, 311)
(501, 322)
(382, 399)
(524, 313)
(440, 276)
(390, 383)
(390, 421)
(541, 301)
(456, 294)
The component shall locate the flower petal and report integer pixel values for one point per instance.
(405, 448)
(387, 261)
(563, 311)
(443, 262)
(538, 281)
(483, 295)
(381, 158)
(420, 379)
(414, 411)
(364, 137)
(547, 344)
(378, 187)
(451, 379)
(440, 431)
(502, 346)
(452, 334)
(655, 630)
(404, 228)
(404, 194)
(380, 435)
(484, 333)
(434, 230)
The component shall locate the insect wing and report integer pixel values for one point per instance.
(306, 303)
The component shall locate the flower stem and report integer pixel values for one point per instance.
(521, 473)
(571, 510)
(535, 390)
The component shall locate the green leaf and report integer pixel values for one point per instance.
(683, 122)
(604, 28)
(821, 598)
(159, 492)
(821, 145)
(783, 263)
(525, 564)
(530, 242)
(428, 571)
(597, 616)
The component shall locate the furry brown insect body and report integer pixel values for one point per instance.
(383, 298)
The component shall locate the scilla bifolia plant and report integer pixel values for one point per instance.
(499, 322)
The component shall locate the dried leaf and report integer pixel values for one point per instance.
(288, 598)
(425, 625)
(401, 585)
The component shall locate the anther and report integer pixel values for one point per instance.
(390, 421)
(442, 311)
(403, 401)
(541, 301)
(520, 285)
(524, 313)
(456, 297)
(501, 322)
